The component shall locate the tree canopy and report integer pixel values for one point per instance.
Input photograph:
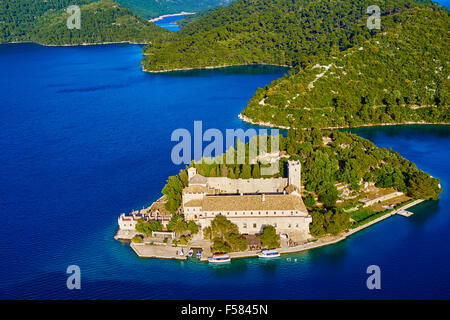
(269, 238)
(45, 22)
(398, 75)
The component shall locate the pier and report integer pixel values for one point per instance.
(405, 213)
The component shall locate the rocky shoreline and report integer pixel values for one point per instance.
(271, 125)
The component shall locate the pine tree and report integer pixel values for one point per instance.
(246, 172)
(256, 174)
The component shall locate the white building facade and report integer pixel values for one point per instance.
(251, 204)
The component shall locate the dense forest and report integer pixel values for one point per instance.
(46, 23)
(194, 17)
(153, 8)
(328, 158)
(400, 75)
(283, 32)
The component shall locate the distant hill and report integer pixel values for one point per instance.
(283, 32)
(46, 23)
(194, 17)
(343, 73)
(153, 8)
(400, 75)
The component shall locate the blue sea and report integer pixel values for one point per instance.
(85, 136)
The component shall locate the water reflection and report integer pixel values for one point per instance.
(229, 71)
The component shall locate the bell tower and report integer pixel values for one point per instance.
(294, 173)
(191, 172)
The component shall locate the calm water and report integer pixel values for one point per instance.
(85, 135)
(169, 23)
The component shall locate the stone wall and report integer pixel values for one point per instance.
(227, 185)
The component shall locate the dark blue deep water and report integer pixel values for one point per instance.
(85, 135)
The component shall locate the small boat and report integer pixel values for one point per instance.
(199, 254)
(219, 258)
(190, 253)
(182, 252)
(268, 254)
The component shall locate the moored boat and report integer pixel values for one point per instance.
(219, 258)
(190, 253)
(268, 254)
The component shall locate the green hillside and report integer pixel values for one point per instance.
(46, 23)
(154, 8)
(194, 17)
(284, 32)
(400, 75)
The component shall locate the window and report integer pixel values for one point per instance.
(296, 225)
(275, 225)
(254, 225)
(289, 225)
(245, 226)
(206, 214)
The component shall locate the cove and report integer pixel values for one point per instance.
(85, 136)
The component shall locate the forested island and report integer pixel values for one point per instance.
(45, 22)
(339, 172)
(153, 8)
(343, 73)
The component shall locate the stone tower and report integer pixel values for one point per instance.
(191, 172)
(294, 173)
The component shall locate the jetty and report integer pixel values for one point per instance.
(405, 213)
(145, 250)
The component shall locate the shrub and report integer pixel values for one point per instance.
(137, 239)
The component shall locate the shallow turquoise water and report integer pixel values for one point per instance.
(85, 135)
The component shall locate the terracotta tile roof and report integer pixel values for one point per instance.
(253, 202)
(194, 203)
(197, 179)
